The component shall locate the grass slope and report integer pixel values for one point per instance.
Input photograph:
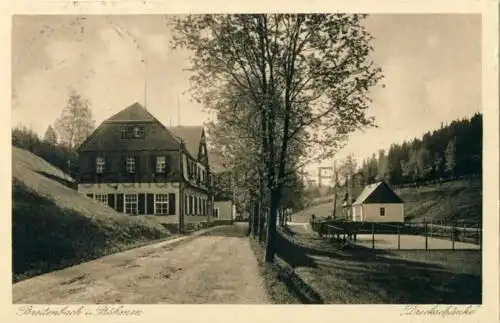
(54, 226)
(366, 276)
(455, 200)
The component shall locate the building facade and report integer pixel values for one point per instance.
(224, 209)
(137, 166)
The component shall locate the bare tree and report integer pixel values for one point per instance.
(75, 123)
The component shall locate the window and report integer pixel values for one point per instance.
(138, 132)
(99, 165)
(186, 204)
(130, 164)
(161, 164)
(216, 212)
(161, 203)
(102, 198)
(131, 203)
(190, 205)
(130, 132)
(382, 211)
(195, 205)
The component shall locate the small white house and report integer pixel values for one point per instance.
(224, 209)
(378, 203)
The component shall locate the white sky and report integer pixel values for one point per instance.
(432, 65)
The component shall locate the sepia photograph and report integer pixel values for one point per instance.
(264, 158)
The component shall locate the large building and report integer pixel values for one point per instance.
(136, 165)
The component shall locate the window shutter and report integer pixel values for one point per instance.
(92, 162)
(152, 161)
(107, 165)
(141, 203)
(90, 195)
(137, 166)
(186, 204)
(124, 164)
(150, 204)
(169, 162)
(119, 202)
(111, 200)
(171, 203)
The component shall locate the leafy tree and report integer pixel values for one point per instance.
(424, 162)
(450, 158)
(384, 171)
(50, 136)
(307, 77)
(75, 123)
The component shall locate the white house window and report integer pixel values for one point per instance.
(382, 211)
(161, 164)
(131, 204)
(102, 198)
(100, 164)
(130, 164)
(216, 212)
(161, 203)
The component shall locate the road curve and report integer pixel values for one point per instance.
(216, 268)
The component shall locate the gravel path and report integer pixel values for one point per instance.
(218, 267)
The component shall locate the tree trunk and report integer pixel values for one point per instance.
(271, 228)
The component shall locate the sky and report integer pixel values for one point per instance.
(431, 62)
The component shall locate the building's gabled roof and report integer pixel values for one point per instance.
(378, 193)
(191, 135)
(133, 113)
(107, 137)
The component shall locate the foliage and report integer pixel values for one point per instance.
(56, 154)
(50, 136)
(299, 82)
(452, 150)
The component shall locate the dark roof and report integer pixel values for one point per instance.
(378, 193)
(191, 135)
(219, 197)
(133, 113)
(108, 135)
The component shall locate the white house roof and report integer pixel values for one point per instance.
(378, 192)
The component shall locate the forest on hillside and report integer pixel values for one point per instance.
(453, 150)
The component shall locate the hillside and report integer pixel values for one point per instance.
(456, 200)
(53, 226)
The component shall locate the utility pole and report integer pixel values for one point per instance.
(178, 111)
(335, 179)
(143, 61)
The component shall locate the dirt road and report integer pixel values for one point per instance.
(218, 267)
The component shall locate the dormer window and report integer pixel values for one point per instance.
(132, 132)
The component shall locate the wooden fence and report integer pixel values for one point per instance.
(426, 235)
